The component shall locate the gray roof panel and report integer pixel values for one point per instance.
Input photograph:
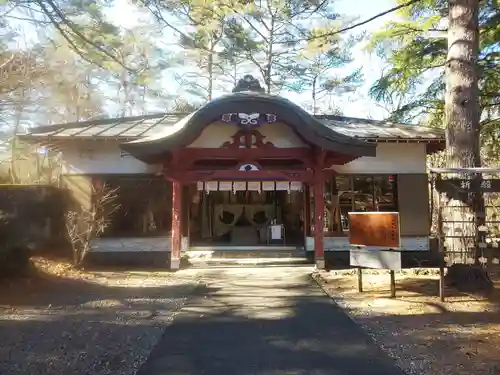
(371, 129)
(150, 125)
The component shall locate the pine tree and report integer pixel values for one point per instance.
(82, 24)
(271, 34)
(201, 32)
(415, 50)
(315, 72)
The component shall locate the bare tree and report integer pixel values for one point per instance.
(87, 224)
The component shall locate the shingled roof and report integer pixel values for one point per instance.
(137, 127)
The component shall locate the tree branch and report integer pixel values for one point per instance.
(72, 27)
(407, 4)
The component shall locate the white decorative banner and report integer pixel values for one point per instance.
(225, 186)
(211, 186)
(254, 186)
(296, 186)
(282, 185)
(250, 185)
(239, 186)
(267, 185)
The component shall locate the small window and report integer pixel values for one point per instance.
(357, 193)
(138, 215)
(363, 194)
(385, 193)
(344, 189)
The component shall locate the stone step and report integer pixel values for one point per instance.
(243, 257)
(250, 262)
(238, 254)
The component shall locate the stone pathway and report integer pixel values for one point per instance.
(265, 321)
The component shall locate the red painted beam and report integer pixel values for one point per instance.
(190, 155)
(186, 157)
(235, 175)
(176, 224)
(319, 207)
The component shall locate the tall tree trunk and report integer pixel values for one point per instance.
(463, 138)
(462, 93)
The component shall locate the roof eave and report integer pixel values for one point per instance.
(37, 137)
(308, 127)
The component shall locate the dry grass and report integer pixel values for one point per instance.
(459, 336)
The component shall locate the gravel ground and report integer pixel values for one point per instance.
(68, 322)
(426, 337)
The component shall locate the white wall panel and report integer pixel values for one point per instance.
(100, 157)
(392, 158)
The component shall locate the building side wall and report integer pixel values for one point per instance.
(392, 158)
(100, 157)
(413, 204)
(79, 188)
(104, 157)
(406, 160)
(413, 207)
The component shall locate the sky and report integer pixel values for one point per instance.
(358, 104)
(355, 105)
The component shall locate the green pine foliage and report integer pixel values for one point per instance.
(415, 49)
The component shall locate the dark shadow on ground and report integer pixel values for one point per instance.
(80, 343)
(42, 290)
(460, 341)
(465, 337)
(59, 325)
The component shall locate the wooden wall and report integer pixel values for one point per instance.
(413, 201)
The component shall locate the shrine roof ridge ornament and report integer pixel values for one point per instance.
(248, 83)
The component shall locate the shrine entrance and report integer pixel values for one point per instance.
(253, 213)
(248, 161)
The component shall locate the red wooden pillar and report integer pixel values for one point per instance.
(307, 211)
(175, 259)
(319, 208)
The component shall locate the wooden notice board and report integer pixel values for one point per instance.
(374, 229)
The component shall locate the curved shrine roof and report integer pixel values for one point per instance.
(308, 127)
(150, 134)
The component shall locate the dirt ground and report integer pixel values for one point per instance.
(63, 321)
(460, 336)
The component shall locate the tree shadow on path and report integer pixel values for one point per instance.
(274, 326)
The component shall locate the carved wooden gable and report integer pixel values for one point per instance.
(247, 130)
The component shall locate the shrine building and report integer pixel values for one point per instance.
(245, 171)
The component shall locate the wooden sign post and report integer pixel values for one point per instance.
(379, 229)
(382, 231)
